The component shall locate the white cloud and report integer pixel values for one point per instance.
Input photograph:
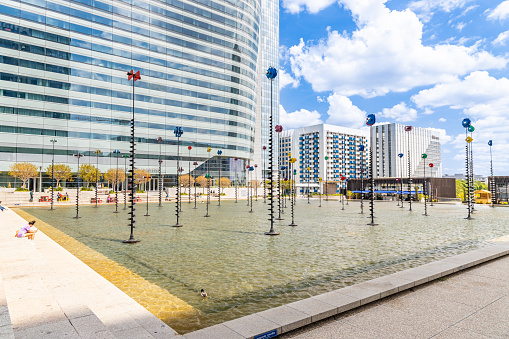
(286, 79)
(312, 6)
(343, 112)
(483, 99)
(426, 8)
(501, 12)
(300, 118)
(442, 119)
(501, 39)
(384, 54)
(460, 25)
(400, 113)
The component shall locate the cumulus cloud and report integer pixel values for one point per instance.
(500, 12)
(384, 54)
(400, 113)
(312, 6)
(286, 79)
(426, 8)
(501, 39)
(300, 118)
(343, 112)
(483, 99)
(442, 119)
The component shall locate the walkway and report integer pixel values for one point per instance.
(52, 294)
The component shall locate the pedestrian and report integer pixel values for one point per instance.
(31, 195)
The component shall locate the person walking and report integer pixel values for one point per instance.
(31, 195)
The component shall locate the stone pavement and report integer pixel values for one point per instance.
(469, 304)
(51, 294)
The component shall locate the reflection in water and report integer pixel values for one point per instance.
(244, 271)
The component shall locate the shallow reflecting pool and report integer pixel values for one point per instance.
(245, 271)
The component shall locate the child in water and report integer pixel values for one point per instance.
(203, 293)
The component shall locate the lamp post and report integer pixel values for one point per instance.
(251, 169)
(53, 173)
(130, 184)
(208, 182)
(492, 179)
(361, 150)
(264, 148)
(370, 121)
(125, 156)
(271, 75)
(424, 188)
(194, 183)
(189, 164)
(78, 184)
(400, 155)
(116, 152)
(467, 124)
(256, 182)
(159, 181)
(178, 133)
(236, 179)
(219, 152)
(96, 152)
(292, 161)
(409, 129)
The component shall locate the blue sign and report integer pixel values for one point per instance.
(267, 335)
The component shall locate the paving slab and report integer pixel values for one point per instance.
(217, 331)
(252, 325)
(341, 301)
(286, 317)
(364, 292)
(317, 309)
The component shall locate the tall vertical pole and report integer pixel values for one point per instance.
(96, 174)
(271, 74)
(409, 129)
(236, 180)
(400, 155)
(264, 174)
(492, 179)
(178, 133)
(251, 168)
(53, 173)
(194, 184)
(361, 150)
(467, 124)
(78, 155)
(131, 186)
(125, 156)
(370, 121)
(117, 152)
(159, 179)
(208, 182)
(292, 190)
(256, 182)
(219, 152)
(424, 188)
(189, 164)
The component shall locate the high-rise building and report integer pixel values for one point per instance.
(389, 140)
(310, 145)
(63, 76)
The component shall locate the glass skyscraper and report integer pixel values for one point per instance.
(63, 75)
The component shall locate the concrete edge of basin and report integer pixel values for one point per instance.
(273, 322)
(6, 330)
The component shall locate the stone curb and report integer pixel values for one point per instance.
(6, 331)
(273, 322)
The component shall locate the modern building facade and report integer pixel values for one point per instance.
(63, 76)
(311, 145)
(389, 140)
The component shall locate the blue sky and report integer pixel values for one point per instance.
(426, 63)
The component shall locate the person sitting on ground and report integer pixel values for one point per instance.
(59, 196)
(108, 199)
(2, 208)
(28, 231)
(203, 293)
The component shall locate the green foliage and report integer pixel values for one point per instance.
(86, 189)
(58, 189)
(137, 191)
(21, 189)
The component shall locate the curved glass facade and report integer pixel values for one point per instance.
(63, 71)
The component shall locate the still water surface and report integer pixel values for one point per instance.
(245, 271)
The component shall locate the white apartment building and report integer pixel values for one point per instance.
(389, 140)
(311, 145)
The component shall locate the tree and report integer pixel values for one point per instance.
(141, 176)
(61, 172)
(225, 182)
(202, 182)
(23, 171)
(88, 173)
(184, 180)
(114, 175)
(461, 189)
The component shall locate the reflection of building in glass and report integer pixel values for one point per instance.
(310, 145)
(388, 140)
(63, 75)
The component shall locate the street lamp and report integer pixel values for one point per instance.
(78, 184)
(492, 179)
(53, 172)
(130, 184)
(271, 75)
(400, 155)
(219, 152)
(96, 152)
(189, 164)
(370, 121)
(178, 133)
(116, 152)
